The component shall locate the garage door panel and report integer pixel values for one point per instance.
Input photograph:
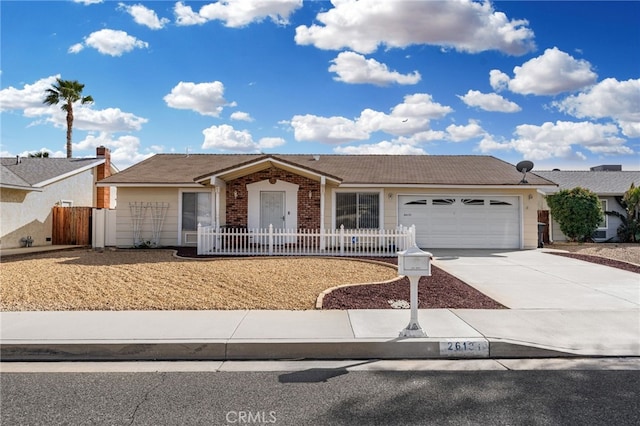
(462, 221)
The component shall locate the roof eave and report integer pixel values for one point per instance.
(20, 187)
(68, 174)
(267, 159)
(102, 184)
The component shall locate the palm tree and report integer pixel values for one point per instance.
(67, 92)
(39, 154)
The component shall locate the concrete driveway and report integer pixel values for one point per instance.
(537, 279)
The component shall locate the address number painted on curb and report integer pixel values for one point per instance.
(464, 348)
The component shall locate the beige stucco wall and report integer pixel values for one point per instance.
(124, 222)
(169, 236)
(29, 213)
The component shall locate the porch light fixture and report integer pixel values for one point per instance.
(235, 194)
(310, 194)
(390, 195)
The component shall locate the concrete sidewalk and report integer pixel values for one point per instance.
(559, 307)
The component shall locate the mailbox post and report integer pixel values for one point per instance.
(414, 263)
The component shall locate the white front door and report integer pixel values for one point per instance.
(272, 209)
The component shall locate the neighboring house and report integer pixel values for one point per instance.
(608, 182)
(454, 201)
(30, 187)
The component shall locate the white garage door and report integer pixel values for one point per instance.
(462, 221)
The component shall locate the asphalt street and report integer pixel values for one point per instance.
(323, 395)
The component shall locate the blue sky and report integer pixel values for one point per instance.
(557, 83)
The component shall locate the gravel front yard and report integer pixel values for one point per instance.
(156, 280)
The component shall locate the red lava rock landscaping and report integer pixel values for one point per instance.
(602, 261)
(440, 290)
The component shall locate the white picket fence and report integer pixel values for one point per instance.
(213, 240)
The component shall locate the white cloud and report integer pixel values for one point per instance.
(110, 42)
(465, 132)
(326, 129)
(76, 48)
(144, 16)
(267, 143)
(88, 2)
(186, 16)
(489, 102)
(384, 147)
(125, 150)
(562, 139)
(29, 97)
(241, 116)
(409, 117)
(549, 74)
(619, 100)
(498, 80)
(107, 120)
(356, 69)
(204, 98)
(29, 100)
(464, 25)
(238, 13)
(226, 138)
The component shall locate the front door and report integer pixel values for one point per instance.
(272, 209)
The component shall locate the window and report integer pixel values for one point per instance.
(358, 210)
(196, 209)
(443, 201)
(473, 202)
(603, 224)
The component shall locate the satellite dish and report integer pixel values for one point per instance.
(524, 167)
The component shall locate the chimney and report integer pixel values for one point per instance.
(103, 194)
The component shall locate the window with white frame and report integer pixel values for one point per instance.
(196, 209)
(358, 210)
(604, 223)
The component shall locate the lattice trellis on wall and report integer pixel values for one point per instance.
(138, 212)
(158, 214)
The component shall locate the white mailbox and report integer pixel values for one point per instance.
(414, 261)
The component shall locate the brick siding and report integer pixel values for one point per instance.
(308, 208)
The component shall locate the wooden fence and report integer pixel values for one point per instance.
(71, 226)
(304, 242)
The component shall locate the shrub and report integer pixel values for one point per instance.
(629, 229)
(577, 211)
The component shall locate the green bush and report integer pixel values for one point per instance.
(577, 211)
(629, 229)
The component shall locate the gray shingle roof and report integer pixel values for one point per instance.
(33, 172)
(600, 182)
(177, 169)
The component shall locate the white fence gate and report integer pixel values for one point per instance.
(213, 240)
(103, 228)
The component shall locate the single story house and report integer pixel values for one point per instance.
(609, 182)
(30, 187)
(453, 201)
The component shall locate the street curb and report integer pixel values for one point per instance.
(267, 349)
